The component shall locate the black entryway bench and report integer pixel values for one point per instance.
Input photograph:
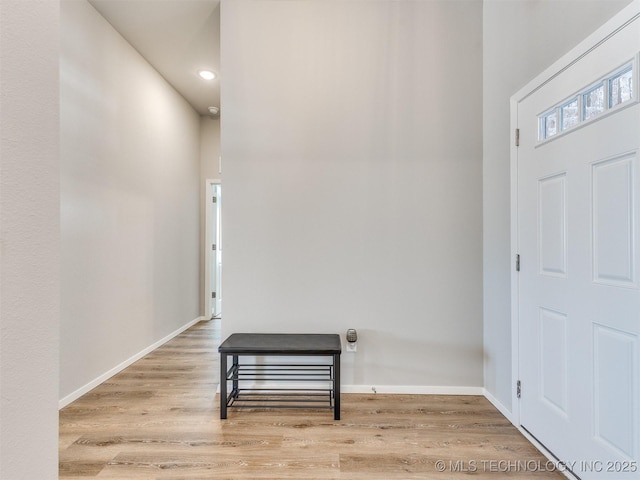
(326, 376)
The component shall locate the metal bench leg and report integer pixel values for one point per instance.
(235, 391)
(223, 386)
(336, 387)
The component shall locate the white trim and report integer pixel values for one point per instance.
(399, 389)
(412, 389)
(63, 402)
(618, 22)
(496, 403)
(515, 248)
(626, 16)
(207, 242)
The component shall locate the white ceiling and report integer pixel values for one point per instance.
(177, 37)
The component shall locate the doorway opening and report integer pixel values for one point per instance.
(213, 250)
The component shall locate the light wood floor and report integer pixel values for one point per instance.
(159, 419)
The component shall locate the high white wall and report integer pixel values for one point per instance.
(351, 139)
(520, 39)
(130, 208)
(209, 147)
(29, 239)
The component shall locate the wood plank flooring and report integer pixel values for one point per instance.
(159, 419)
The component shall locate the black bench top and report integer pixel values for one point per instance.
(281, 344)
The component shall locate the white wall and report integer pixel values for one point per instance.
(520, 39)
(351, 140)
(29, 239)
(209, 147)
(130, 209)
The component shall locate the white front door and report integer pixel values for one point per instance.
(578, 218)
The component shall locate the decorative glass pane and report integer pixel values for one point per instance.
(609, 92)
(593, 102)
(550, 124)
(621, 87)
(569, 112)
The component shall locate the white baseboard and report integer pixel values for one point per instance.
(412, 389)
(393, 389)
(501, 408)
(63, 402)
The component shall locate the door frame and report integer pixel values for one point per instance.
(622, 19)
(209, 183)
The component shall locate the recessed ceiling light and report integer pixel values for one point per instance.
(207, 74)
